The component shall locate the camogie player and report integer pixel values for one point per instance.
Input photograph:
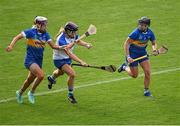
(37, 37)
(134, 47)
(63, 58)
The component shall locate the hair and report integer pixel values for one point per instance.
(59, 32)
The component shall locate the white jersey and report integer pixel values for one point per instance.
(61, 41)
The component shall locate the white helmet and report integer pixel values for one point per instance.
(40, 20)
(40, 23)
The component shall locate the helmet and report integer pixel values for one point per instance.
(40, 20)
(144, 20)
(71, 26)
(40, 23)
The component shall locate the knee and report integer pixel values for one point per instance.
(40, 76)
(72, 75)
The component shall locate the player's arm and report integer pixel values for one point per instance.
(85, 44)
(154, 44)
(154, 48)
(74, 57)
(54, 46)
(126, 49)
(81, 43)
(13, 42)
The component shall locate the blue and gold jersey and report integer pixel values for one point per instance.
(140, 38)
(139, 43)
(35, 42)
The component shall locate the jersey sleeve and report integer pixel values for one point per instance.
(152, 37)
(133, 35)
(61, 41)
(48, 37)
(27, 33)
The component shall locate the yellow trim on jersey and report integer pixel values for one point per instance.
(139, 43)
(36, 43)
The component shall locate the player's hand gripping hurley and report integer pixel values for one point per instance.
(91, 31)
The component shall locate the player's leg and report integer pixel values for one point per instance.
(37, 71)
(147, 72)
(52, 78)
(26, 84)
(31, 77)
(58, 72)
(132, 69)
(71, 75)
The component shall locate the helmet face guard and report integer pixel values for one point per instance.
(41, 26)
(144, 20)
(41, 23)
(71, 34)
(143, 23)
(71, 29)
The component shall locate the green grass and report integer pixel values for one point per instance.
(118, 102)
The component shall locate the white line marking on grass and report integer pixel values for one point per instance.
(92, 84)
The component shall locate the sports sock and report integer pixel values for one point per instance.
(70, 90)
(146, 89)
(124, 67)
(53, 77)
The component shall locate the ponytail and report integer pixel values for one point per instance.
(60, 31)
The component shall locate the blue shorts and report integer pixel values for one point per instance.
(29, 61)
(62, 62)
(136, 52)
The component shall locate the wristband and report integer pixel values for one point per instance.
(128, 56)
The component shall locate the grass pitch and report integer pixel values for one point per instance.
(107, 101)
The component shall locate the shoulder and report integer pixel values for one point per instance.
(150, 31)
(136, 30)
(61, 36)
(29, 32)
(134, 34)
(151, 34)
(61, 39)
(47, 34)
